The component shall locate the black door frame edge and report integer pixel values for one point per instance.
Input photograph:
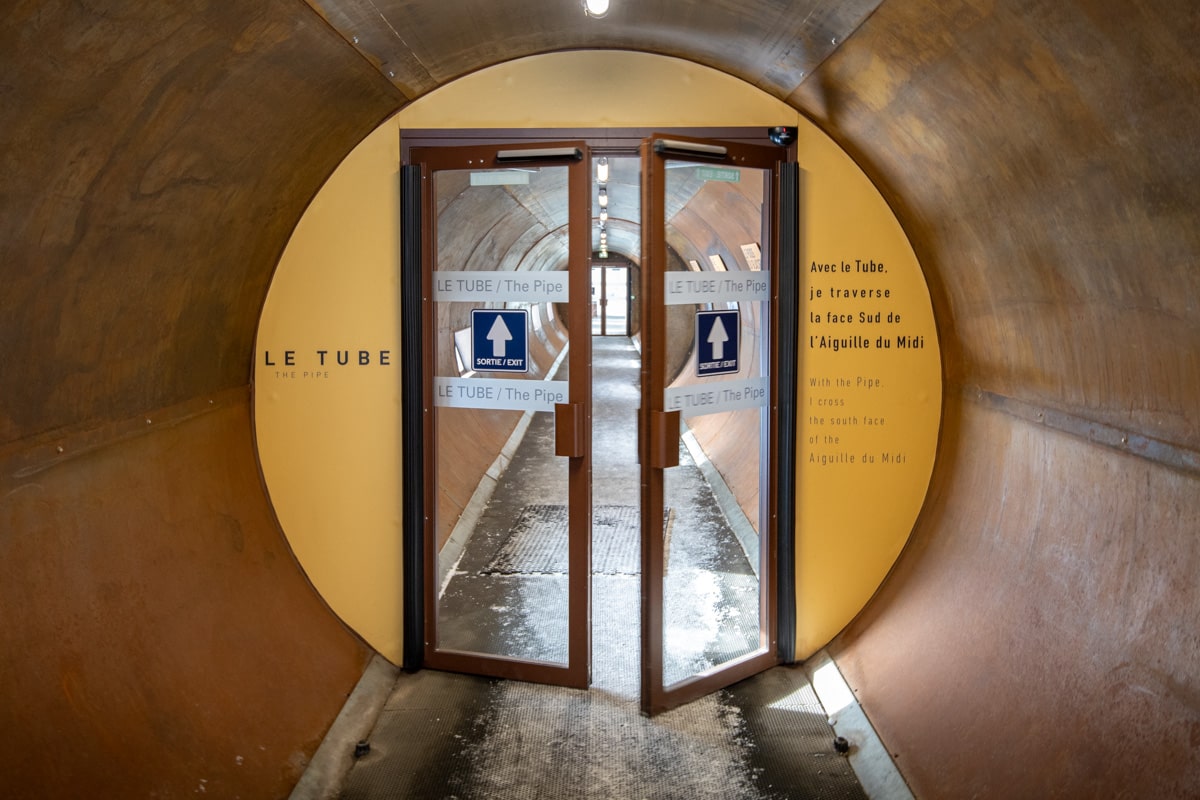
(788, 331)
(411, 393)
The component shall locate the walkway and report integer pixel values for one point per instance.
(453, 736)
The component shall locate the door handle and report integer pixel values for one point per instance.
(568, 430)
(664, 439)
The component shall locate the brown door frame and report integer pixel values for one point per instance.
(573, 419)
(416, 290)
(659, 434)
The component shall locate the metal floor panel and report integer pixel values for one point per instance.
(537, 542)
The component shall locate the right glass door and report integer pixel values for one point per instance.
(707, 427)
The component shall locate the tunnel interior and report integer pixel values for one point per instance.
(1035, 637)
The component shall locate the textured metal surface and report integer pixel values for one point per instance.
(1156, 450)
(157, 638)
(537, 542)
(1043, 159)
(1036, 639)
(155, 161)
(420, 45)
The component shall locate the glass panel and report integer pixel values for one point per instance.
(717, 294)
(597, 301)
(501, 516)
(610, 301)
(616, 287)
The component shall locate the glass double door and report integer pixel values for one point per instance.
(513, 541)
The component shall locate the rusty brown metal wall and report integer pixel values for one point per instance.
(158, 638)
(155, 161)
(1038, 638)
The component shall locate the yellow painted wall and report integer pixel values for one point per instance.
(854, 518)
(329, 436)
(330, 446)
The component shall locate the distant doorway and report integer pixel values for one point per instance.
(610, 301)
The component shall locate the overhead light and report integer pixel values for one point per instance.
(595, 8)
(603, 198)
(602, 170)
(604, 215)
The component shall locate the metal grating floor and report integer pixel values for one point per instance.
(537, 542)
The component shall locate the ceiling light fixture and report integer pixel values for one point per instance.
(602, 170)
(603, 199)
(595, 8)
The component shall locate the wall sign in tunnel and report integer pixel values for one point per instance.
(499, 340)
(717, 342)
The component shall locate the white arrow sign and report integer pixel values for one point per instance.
(499, 336)
(717, 337)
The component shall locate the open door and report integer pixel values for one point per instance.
(506, 364)
(708, 434)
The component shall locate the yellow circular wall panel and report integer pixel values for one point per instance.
(326, 375)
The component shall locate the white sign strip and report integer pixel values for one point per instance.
(498, 393)
(716, 396)
(688, 288)
(454, 286)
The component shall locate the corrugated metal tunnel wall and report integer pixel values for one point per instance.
(1037, 638)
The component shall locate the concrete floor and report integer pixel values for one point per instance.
(455, 736)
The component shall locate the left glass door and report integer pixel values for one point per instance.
(505, 246)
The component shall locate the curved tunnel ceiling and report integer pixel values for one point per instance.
(523, 226)
(418, 45)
